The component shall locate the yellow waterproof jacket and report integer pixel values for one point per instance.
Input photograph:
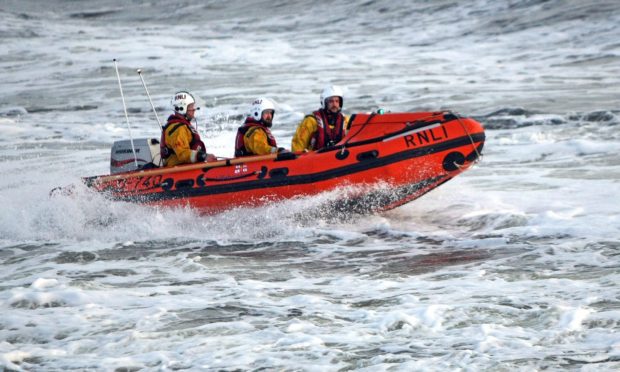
(256, 141)
(253, 138)
(183, 142)
(306, 130)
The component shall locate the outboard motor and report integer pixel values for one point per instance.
(147, 153)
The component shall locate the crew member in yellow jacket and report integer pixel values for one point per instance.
(180, 142)
(324, 127)
(254, 137)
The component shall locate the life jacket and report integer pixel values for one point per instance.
(178, 121)
(251, 125)
(326, 136)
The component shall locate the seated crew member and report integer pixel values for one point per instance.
(180, 142)
(324, 127)
(254, 137)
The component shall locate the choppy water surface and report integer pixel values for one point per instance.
(513, 265)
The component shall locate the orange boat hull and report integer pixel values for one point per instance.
(389, 159)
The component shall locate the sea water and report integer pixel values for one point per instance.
(513, 265)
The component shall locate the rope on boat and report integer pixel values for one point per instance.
(344, 145)
(478, 154)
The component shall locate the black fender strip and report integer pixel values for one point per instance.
(307, 178)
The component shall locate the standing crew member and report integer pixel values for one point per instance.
(324, 127)
(180, 142)
(254, 137)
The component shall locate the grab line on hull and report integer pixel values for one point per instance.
(301, 179)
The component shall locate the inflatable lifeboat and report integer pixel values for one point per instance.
(388, 159)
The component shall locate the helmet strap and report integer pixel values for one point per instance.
(195, 122)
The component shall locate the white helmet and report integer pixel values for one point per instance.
(259, 105)
(181, 100)
(332, 91)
